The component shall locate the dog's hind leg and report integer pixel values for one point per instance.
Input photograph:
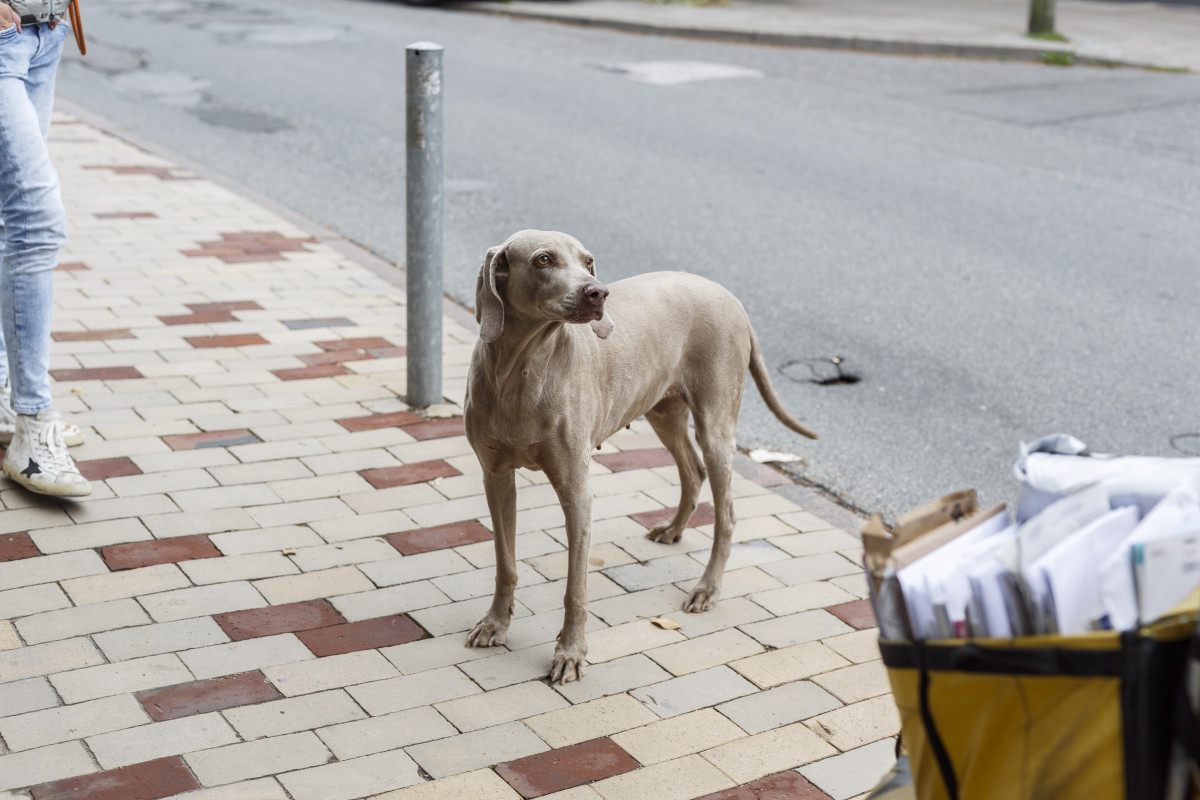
(717, 442)
(669, 419)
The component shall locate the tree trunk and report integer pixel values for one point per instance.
(1041, 16)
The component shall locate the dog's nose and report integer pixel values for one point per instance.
(595, 294)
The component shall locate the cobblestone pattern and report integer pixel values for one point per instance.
(268, 592)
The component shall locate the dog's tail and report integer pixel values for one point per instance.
(762, 379)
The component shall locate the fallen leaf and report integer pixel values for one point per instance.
(666, 623)
(442, 411)
(765, 456)
(289, 552)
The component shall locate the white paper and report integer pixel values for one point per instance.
(1068, 572)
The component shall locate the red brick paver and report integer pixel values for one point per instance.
(72, 266)
(91, 336)
(96, 374)
(377, 421)
(305, 373)
(566, 767)
(436, 429)
(361, 343)
(16, 546)
(160, 551)
(103, 468)
(704, 514)
(857, 614)
(780, 786)
(365, 635)
(226, 305)
(149, 780)
(443, 536)
(255, 622)
(233, 340)
(635, 459)
(205, 318)
(201, 697)
(387, 477)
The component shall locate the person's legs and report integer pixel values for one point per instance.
(31, 210)
(34, 228)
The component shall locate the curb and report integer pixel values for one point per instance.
(1035, 52)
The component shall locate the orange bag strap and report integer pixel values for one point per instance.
(77, 26)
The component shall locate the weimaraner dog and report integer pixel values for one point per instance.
(562, 363)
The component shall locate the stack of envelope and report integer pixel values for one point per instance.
(1097, 543)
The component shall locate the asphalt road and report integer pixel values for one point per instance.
(996, 251)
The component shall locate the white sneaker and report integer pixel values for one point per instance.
(72, 435)
(37, 457)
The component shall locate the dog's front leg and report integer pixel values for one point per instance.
(575, 495)
(501, 490)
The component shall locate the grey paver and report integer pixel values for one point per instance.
(697, 690)
(782, 705)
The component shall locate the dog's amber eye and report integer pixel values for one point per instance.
(543, 259)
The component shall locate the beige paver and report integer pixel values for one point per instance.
(129, 583)
(482, 784)
(410, 691)
(470, 751)
(859, 682)
(591, 720)
(312, 585)
(331, 672)
(293, 714)
(63, 724)
(788, 664)
(45, 764)
(676, 737)
(701, 653)
(629, 638)
(388, 731)
(9, 639)
(47, 659)
(774, 751)
(126, 676)
(161, 739)
(355, 778)
(238, 762)
(858, 724)
(500, 705)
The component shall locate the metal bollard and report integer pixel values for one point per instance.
(423, 74)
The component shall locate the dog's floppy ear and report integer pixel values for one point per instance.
(489, 308)
(604, 326)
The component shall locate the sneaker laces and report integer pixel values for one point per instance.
(49, 445)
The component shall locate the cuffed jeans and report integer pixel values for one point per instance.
(32, 219)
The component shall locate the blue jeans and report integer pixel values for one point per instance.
(32, 219)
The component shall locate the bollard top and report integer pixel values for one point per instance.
(424, 46)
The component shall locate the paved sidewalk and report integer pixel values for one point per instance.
(267, 594)
(1118, 32)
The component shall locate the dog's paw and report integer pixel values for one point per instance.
(567, 665)
(487, 632)
(664, 534)
(702, 598)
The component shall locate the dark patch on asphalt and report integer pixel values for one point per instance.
(1187, 443)
(238, 119)
(824, 371)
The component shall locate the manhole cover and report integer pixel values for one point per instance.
(1187, 443)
